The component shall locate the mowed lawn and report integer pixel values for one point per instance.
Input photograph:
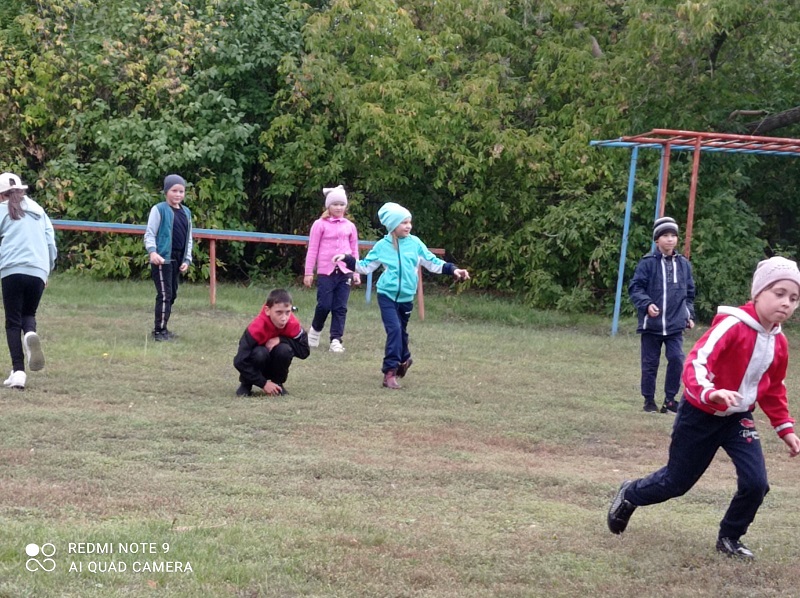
(488, 474)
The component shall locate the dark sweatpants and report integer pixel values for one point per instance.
(166, 278)
(273, 365)
(696, 436)
(651, 356)
(333, 291)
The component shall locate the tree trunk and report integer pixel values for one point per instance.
(775, 121)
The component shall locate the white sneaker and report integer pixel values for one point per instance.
(336, 346)
(33, 350)
(16, 380)
(313, 337)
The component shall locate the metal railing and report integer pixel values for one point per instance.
(213, 236)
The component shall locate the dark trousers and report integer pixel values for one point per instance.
(651, 356)
(21, 296)
(333, 291)
(273, 365)
(166, 278)
(696, 436)
(395, 322)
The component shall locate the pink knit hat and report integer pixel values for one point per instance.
(771, 271)
(334, 194)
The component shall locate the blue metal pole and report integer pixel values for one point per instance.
(624, 250)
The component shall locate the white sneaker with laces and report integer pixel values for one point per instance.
(16, 380)
(313, 337)
(33, 350)
(336, 346)
(7, 381)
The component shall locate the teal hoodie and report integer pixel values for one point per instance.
(399, 279)
(28, 245)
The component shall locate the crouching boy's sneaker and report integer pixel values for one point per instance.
(621, 510)
(244, 390)
(33, 351)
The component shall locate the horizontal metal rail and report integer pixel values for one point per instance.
(213, 235)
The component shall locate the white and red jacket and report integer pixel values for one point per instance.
(737, 353)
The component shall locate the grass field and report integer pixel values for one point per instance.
(489, 474)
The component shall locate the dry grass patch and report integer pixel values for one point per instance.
(489, 474)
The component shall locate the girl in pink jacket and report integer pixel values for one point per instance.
(330, 235)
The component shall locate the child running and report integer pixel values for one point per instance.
(27, 257)
(400, 253)
(331, 234)
(740, 361)
(268, 345)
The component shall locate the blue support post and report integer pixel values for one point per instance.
(624, 250)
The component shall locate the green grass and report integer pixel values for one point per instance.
(489, 474)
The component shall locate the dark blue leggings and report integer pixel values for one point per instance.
(333, 292)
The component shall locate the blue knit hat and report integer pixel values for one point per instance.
(392, 214)
(171, 180)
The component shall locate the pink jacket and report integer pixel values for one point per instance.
(328, 237)
(736, 353)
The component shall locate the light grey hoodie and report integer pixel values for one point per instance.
(27, 245)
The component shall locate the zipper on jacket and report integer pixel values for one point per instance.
(399, 274)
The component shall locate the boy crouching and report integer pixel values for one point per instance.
(268, 346)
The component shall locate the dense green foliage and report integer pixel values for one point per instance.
(475, 114)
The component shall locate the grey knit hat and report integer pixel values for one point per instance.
(664, 225)
(171, 180)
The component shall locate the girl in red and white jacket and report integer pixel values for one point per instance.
(740, 361)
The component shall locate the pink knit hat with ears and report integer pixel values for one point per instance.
(771, 271)
(334, 194)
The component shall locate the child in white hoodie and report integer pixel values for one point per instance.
(27, 256)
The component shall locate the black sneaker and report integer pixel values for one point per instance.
(670, 406)
(244, 390)
(650, 406)
(161, 336)
(734, 548)
(621, 510)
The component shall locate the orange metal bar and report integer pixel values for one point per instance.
(664, 181)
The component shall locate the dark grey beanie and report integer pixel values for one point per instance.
(664, 225)
(171, 180)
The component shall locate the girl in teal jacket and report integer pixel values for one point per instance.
(400, 253)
